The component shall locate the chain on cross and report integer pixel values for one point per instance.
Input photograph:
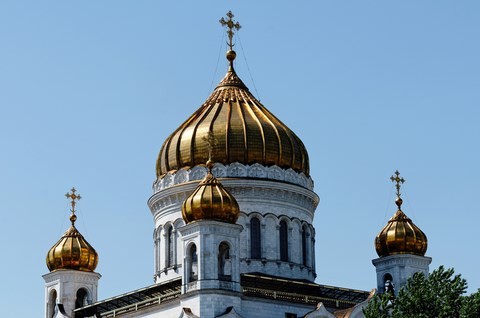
(231, 25)
(398, 181)
(74, 197)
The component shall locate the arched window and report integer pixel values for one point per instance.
(255, 239)
(52, 303)
(283, 241)
(170, 247)
(192, 264)
(304, 246)
(224, 262)
(387, 282)
(81, 299)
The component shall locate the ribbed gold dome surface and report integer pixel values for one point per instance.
(210, 201)
(72, 251)
(245, 131)
(401, 236)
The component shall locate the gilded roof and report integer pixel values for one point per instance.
(245, 132)
(72, 251)
(211, 201)
(401, 236)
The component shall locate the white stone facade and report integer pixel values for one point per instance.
(399, 268)
(71, 289)
(270, 194)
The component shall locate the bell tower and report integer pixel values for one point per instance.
(72, 282)
(401, 247)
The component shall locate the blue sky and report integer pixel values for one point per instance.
(90, 90)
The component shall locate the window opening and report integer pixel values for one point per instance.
(224, 262)
(283, 241)
(304, 246)
(255, 239)
(81, 300)
(193, 268)
(170, 239)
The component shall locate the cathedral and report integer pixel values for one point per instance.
(233, 206)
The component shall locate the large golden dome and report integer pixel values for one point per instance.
(400, 235)
(245, 131)
(210, 201)
(72, 251)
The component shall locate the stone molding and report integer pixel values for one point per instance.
(246, 191)
(403, 259)
(72, 275)
(233, 170)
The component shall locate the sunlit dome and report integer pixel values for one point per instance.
(245, 132)
(400, 235)
(210, 201)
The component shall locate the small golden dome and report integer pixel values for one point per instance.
(400, 235)
(246, 132)
(210, 201)
(72, 251)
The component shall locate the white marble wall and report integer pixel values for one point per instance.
(66, 283)
(270, 199)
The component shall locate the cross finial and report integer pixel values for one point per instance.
(231, 25)
(398, 181)
(74, 197)
(212, 142)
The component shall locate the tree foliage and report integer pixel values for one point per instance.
(438, 295)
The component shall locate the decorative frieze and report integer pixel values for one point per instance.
(234, 170)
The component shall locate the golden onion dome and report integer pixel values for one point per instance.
(400, 235)
(210, 201)
(72, 251)
(245, 130)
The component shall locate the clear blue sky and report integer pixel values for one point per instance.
(89, 90)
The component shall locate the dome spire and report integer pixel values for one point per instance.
(398, 183)
(74, 197)
(231, 25)
(211, 143)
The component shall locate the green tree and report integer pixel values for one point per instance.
(439, 295)
(471, 306)
(379, 306)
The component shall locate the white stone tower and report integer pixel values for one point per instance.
(401, 247)
(211, 245)
(72, 282)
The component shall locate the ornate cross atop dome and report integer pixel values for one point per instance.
(231, 25)
(211, 143)
(396, 178)
(74, 197)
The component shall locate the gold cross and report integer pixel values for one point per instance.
(75, 197)
(212, 142)
(230, 24)
(396, 178)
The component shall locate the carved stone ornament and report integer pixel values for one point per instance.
(234, 170)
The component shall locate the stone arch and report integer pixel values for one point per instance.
(52, 303)
(224, 261)
(81, 297)
(191, 261)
